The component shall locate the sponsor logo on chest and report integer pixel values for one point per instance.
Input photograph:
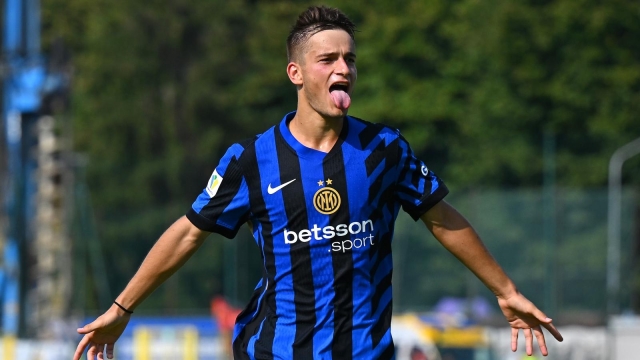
(327, 201)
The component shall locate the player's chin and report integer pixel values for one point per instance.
(335, 111)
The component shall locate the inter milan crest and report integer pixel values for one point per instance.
(326, 200)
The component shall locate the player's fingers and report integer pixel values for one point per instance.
(82, 345)
(100, 352)
(87, 328)
(537, 331)
(110, 351)
(91, 354)
(541, 316)
(514, 339)
(528, 338)
(552, 329)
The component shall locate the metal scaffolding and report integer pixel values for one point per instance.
(35, 265)
(51, 249)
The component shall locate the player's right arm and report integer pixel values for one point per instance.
(169, 253)
(222, 207)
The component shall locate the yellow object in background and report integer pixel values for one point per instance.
(142, 344)
(9, 347)
(191, 344)
(464, 338)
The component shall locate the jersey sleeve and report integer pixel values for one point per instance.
(223, 205)
(418, 189)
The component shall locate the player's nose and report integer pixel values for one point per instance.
(342, 67)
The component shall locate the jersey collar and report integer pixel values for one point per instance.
(306, 152)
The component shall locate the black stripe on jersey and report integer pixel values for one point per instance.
(415, 177)
(334, 168)
(206, 225)
(412, 193)
(368, 133)
(207, 219)
(428, 201)
(388, 353)
(386, 197)
(228, 189)
(382, 286)
(382, 152)
(264, 345)
(382, 325)
(251, 328)
(296, 210)
(382, 251)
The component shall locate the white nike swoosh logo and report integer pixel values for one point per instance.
(274, 190)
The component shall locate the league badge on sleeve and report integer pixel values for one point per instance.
(425, 170)
(214, 183)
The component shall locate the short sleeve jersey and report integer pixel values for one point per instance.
(323, 223)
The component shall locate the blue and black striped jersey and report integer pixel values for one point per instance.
(323, 223)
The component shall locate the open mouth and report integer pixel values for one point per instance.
(340, 95)
(340, 87)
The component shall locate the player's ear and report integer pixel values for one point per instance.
(294, 73)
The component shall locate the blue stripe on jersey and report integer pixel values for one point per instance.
(296, 217)
(227, 210)
(321, 261)
(234, 150)
(233, 212)
(362, 322)
(434, 182)
(252, 342)
(202, 201)
(286, 314)
(264, 323)
(342, 259)
(242, 322)
(413, 181)
(384, 344)
(382, 277)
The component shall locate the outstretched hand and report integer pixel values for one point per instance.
(523, 314)
(102, 332)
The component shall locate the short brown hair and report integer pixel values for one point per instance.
(312, 21)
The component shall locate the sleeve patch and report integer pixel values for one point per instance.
(214, 183)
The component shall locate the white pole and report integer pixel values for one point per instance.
(613, 224)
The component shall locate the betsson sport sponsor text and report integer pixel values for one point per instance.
(329, 232)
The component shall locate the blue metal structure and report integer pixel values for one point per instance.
(25, 84)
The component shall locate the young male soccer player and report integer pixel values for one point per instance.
(321, 191)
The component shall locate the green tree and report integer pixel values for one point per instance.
(160, 89)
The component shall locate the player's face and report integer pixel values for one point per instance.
(328, 72)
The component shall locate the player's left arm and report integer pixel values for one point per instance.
(455, 233)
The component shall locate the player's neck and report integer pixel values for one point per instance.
(315, 131)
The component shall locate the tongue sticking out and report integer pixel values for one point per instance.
(341, 99)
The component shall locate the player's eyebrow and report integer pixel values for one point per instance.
(334, 53)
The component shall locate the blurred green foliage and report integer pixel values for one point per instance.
(161, 88)
(565, 275)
